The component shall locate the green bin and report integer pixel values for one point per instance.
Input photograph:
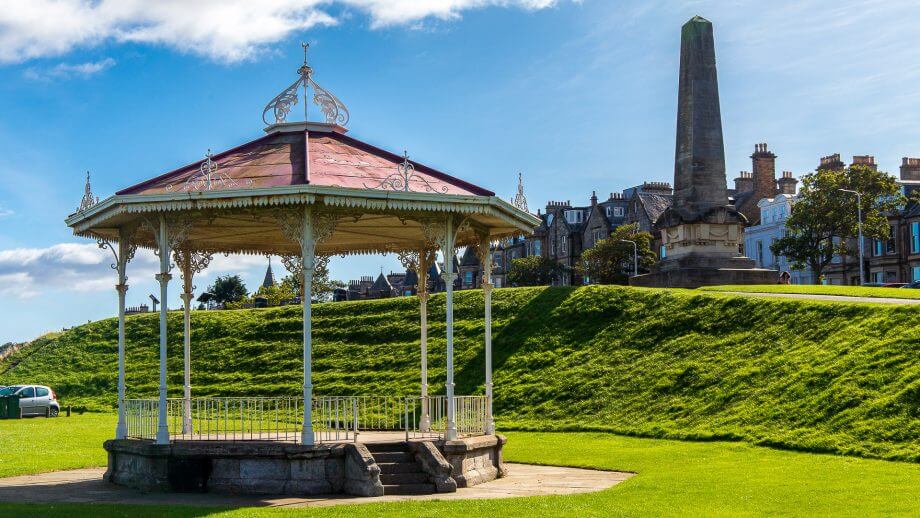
(3, 400)
(12, 407)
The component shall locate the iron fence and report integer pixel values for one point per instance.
(334, 418)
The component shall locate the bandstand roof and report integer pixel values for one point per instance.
(296, 164)
(242, 199)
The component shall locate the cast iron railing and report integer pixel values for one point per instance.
(334, 418)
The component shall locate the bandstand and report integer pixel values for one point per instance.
(305, 191)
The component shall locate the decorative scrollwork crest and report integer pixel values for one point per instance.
(334, 110)
(402, 178)
(208, 178)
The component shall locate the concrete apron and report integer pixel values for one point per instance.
(275, 468)
(87, 486)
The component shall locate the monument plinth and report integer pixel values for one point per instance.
(701, 232)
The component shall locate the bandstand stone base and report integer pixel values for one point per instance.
(243, 467)
(475, 459)
(277, 468)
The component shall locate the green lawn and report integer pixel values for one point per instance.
(674, 478)
(39, 444)
(674, 364)
(816, 289)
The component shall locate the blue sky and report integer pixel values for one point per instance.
(578, 96)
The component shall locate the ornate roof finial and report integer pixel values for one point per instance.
(88, 199)
(333, 109)
(520, 201)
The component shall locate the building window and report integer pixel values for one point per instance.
(915, 237)
(607, 211)
(618, 212)
(877, 247)
(915, 273)
(760, 253)
(562, 245)
(574, 216)
(536, 248)
(764, 216)
(468, 278)
(879, 277)
(662, 252)
(890, 244)
(596, 235)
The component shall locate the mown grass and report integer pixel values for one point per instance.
(38, 445)
(816, 289)
(674, 478)
(671, 364)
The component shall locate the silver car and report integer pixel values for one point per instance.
(34, 399)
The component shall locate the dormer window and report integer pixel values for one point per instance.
(618, 212)
(573, 217)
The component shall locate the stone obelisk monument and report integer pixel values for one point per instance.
(701, 231)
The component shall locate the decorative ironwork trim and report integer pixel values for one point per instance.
(404, 175)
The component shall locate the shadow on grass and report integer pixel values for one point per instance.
(529, 320)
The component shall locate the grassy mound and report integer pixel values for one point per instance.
(819, 289)
(680, 364)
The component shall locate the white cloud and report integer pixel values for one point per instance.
(68, 70)
(4, 212)
(28, 272)
(223, 30)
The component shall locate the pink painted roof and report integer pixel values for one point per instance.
(277, 159)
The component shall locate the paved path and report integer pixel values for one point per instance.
(87, 486)
(833, 298)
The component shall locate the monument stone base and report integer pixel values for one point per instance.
(696, 277)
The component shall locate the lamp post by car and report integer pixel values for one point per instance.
(862, 274)
(635, 256)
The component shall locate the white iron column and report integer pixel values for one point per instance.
(448, 276)
(487, 295)
(422, 266)
(187, 344)
(121, 429)
(308, 250)
(163, 277)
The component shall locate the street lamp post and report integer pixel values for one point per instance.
(635, 256)
(862, 274)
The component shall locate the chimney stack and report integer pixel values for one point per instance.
(744, 182)
(830, 163)
(866, 160)
(787, 184)
(910, 168)
(764, 172)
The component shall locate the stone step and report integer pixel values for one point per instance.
(375, 447)
(409, 489)
(399, 467)
(392, 456)
(402, 479)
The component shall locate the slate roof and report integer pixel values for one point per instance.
(469, 257)
(654, 204)
(382, 284)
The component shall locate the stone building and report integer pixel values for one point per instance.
(566, 230)
(892, 260)
(771, 226)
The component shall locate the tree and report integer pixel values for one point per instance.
(229, 288)
(535, 270)
(823, 217)
(610, 260)
(322, 284)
